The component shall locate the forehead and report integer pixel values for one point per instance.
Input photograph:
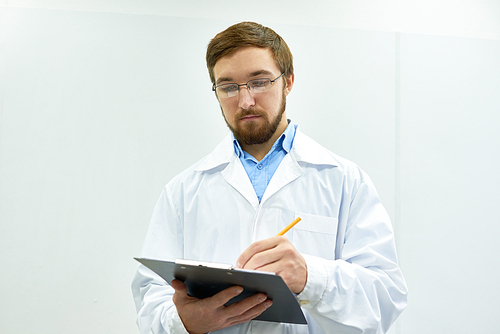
(245, 63)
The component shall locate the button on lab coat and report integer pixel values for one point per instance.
(210, 212)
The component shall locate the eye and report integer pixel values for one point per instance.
(228, 88)
(259, 83)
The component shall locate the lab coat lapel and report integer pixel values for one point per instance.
(287, 172)
(237, 177)
(233, 172)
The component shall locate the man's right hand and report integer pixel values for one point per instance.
(210, 314)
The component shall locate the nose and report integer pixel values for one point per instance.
(245, 98)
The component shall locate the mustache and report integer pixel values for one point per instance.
(247, 112)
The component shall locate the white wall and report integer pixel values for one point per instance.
(450, 150)
(94, 120)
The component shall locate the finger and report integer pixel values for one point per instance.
(281, 250)
(276, 259)
(244, 305)
(221, 298)
(291, 266)
(255, 248)
(250, 313)
(262, 260)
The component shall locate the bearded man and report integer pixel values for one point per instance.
(340, 261)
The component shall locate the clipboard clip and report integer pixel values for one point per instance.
(204, 264)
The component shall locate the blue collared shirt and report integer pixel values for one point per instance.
(261, 172)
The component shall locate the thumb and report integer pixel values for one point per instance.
(179, 286)
(180, 296)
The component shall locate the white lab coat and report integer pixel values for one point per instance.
(210, 212)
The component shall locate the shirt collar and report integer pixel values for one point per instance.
(303, 149)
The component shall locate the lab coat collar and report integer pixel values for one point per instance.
(309, 151)
(221, 155)
(304, 149)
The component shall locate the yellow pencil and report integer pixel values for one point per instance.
(292, 224)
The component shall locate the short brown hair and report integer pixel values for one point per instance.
(249, 34)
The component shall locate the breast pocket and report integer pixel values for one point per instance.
(315, 235)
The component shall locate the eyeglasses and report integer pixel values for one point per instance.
(255, 86)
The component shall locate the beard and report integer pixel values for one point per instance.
(252, 133)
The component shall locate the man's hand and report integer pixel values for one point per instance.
(210, 314)
(276, 255)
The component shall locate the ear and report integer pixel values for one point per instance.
(289, 83)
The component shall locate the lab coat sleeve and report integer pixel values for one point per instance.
(156, 312)
(363, 289)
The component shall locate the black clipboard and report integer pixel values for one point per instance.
(203, 280)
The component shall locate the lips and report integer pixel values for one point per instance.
(249, 117)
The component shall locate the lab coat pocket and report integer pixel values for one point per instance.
(315, 235)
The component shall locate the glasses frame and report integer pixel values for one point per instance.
(214, 87)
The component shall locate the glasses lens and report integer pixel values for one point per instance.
(227, 90)
(259, 85)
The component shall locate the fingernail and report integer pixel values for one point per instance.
(268, 304)
(238, 265)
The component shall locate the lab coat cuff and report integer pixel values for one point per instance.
(174, 322)
(317, 279)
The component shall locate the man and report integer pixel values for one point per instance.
(340, 260)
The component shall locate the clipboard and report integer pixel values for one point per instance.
(205, 279)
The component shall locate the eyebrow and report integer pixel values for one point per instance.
(223, 79)
(252, 74)
(259, 72)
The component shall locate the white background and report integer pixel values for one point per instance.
(103, 102)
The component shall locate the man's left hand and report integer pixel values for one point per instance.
(276, 255)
